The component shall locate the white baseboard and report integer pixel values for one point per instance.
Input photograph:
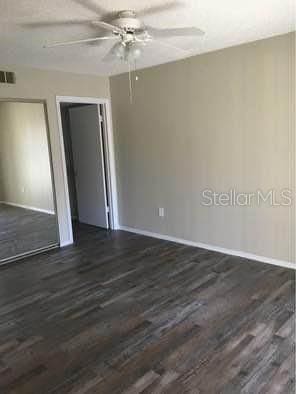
(249, 256)
(28, 207)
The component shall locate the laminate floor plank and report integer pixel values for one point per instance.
(124, 313)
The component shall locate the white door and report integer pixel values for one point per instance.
(88, 160)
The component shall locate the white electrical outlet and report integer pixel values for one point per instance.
(161, 212)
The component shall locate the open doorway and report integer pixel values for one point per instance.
(85, 137)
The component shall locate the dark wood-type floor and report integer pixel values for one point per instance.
(121, 313)
(24, 230)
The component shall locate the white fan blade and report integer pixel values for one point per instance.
(165, 44)
(92, 6)
(182, 32)
(143, 39)
(160, 8)
(111, 56)
(62, 23)
(58, 44)
(108, 26)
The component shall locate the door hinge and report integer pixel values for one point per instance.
(108, 210)
(101, 118)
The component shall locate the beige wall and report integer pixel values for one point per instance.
(220, 120)
(46, 85)
(24, 156)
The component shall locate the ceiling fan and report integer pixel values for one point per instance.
(131, 35)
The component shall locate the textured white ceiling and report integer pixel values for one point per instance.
(26, 25)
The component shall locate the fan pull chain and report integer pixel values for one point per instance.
(130, 83)
(136, 76)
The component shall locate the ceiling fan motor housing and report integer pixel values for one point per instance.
(127, 20)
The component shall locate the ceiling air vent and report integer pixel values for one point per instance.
(7, 77)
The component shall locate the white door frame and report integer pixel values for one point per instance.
(110, 160)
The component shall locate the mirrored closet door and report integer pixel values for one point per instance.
(28, 221)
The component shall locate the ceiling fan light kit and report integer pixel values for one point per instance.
(127, 52)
